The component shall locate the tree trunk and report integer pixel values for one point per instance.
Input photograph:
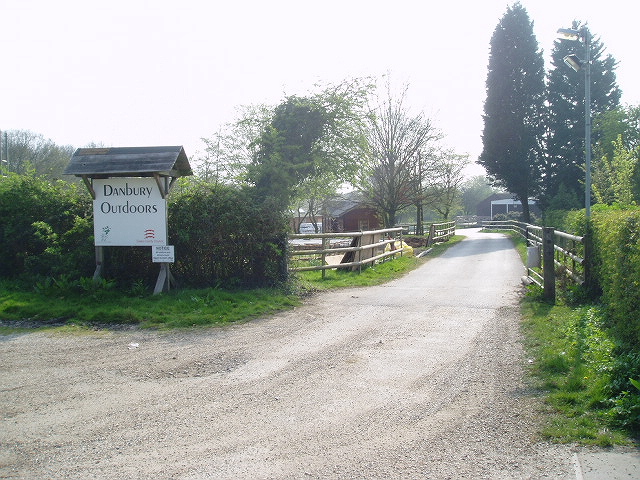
(526, 214)
(419, 214)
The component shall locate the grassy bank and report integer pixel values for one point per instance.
(84, 304)
(571, 361)
(102, 308)
(572, 357)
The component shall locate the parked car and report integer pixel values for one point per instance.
(309, 228)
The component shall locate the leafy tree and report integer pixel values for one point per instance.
(343, 145)
(299, 149)
(564, 163)
(621, 122)
(288, 151)
(230, 151)
(398, 140)
(446, 183)
(514, 107)
(28, 152)
(613, 180)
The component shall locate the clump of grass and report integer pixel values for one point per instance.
(572, 358)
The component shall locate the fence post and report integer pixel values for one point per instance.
(432, 233)
(324, 256)
(99, 264)
(548, 264)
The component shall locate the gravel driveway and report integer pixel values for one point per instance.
(418, 378)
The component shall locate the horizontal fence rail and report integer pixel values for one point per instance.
(551, 255)
(364, 248)
(358, 248)
(441, 232)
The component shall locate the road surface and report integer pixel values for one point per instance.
(419, 378)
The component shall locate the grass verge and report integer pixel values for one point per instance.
(374, 275)
(176, 309)
(64, 304)
(572, 358)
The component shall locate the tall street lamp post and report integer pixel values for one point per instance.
(575, 63)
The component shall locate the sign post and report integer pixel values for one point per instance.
(129, 187)
(164, 255)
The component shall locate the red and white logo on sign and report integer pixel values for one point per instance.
(149, 233)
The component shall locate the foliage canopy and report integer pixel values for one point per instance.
(514, 107)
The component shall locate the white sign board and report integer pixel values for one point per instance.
(129, 212)
(163, 254)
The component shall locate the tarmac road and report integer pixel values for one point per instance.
(419, 378)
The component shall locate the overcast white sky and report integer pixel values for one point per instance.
(167, 72)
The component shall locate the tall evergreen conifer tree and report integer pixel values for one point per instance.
(513, 110)
(563, 168)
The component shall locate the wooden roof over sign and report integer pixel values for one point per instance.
(129, 162)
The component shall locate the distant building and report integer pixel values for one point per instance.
(502, 203)
(346, 213)
(350, 213)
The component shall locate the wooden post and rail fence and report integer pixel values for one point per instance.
(551, 255)
(357, 248)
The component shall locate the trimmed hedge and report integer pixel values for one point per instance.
(222, 236)
(616, 245)
(615, 233)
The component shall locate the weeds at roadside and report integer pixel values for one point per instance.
(572, 358)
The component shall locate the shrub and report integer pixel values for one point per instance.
(45, 228)
(224, 237)
(616, 247)
(221, 235)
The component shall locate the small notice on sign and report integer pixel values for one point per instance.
(162, 254)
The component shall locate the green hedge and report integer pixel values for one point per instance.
(616, 246)
(224, 237)
(45, 228)
(221, 236)
(615, 233)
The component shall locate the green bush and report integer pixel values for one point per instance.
(222, 236)
(615, 233)
(616, 247)
(45, 228)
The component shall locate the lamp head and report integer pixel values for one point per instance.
(568, 34)
(574, 62)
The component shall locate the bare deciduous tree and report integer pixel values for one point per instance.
(398, 142)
